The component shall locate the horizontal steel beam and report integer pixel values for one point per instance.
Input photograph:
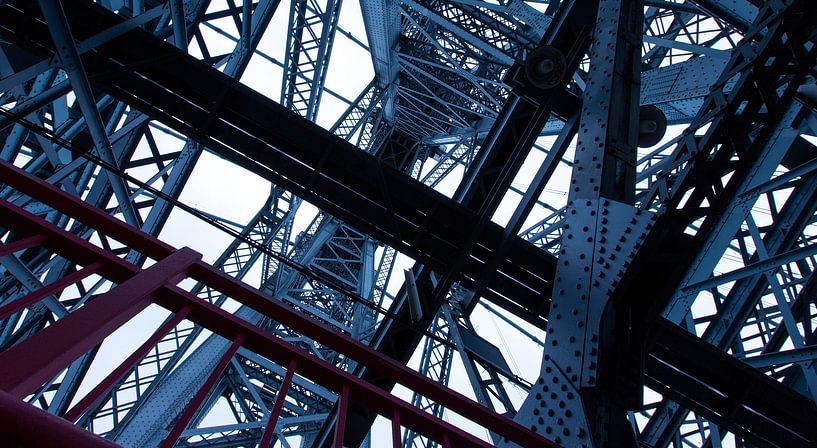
(797, 355)
(726, 391)
(24, 425)
(252, 131)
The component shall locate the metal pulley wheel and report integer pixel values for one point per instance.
(545, 67)
(652, 125)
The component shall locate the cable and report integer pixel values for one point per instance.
(504, 343)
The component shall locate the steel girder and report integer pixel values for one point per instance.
(702, 2)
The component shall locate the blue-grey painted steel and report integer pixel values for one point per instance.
(312, 28)
(382, 23)
(438, 79)
(698, 274)
(746, 293)
(806, 354)
(602, 231)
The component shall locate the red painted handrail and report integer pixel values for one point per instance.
(163, 291)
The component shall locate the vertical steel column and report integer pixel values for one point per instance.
(179, 24)
(574, 400)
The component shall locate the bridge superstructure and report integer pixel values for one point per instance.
(668, 280)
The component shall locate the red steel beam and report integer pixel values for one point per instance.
(396, 437)
(231, 326)
(340, 421)
(275, 412)
(21, 244)
(23, 425)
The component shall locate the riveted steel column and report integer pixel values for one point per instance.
(573, 402)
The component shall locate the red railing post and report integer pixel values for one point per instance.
(340, 422)
(446, 442)
(396, 437)
(275, 412)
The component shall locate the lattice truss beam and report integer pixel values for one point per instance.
(731, 197)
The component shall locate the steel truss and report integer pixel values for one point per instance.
(697, 328)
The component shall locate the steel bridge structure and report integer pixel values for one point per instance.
(627, 189)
